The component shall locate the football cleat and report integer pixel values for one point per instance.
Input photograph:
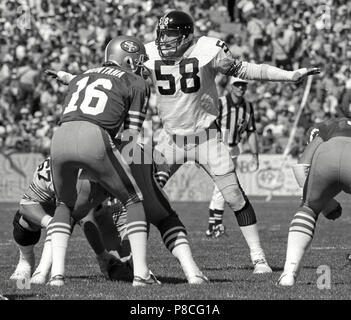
(106, 263)
(56, 281)
(198, 279)
(120, 271)
(209, 233)
(219, 231)
(143, 282)
(332, 210)
(38, 277)
(3, 297)
(287, 279)
(24, 267)
(261, 266)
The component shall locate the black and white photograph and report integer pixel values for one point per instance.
(175, 155)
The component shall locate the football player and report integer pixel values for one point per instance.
(150, 177)
(37, 207)
(326, 161)
(98, 103)
(236, 118)
(183, 70)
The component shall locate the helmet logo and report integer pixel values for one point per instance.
(163, 22)
(130, 46)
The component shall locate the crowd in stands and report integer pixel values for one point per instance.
(70, 35)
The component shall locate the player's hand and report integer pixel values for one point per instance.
(51, 73)
(301, 74)
(55, 75)
(207, 102)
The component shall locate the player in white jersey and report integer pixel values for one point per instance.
(37, 207)
(236, 118)
(183, 70)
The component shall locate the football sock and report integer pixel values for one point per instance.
(300, 237)
(60, 231)
(46, 257)
(252, 238)
(246, 216)
(26, 252)
(183, 254)
(211, 220)
(175, 238)
(218, 217)
(162, 177)
(137, 234)
(45, 221)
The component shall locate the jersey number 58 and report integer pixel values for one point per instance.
(185, 85)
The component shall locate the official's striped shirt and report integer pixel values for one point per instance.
(234, 119)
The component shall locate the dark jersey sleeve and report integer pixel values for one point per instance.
(330, 129)
(139, 97)
(312, 132)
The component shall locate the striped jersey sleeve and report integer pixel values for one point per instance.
(41, 188)
(138, 107)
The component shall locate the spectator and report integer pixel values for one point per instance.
(71, 35)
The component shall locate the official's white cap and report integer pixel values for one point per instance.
(237, 80)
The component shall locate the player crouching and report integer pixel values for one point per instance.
(328, 156)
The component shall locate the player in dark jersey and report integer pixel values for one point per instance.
(329, 155)
(98, 104)
(37, 207)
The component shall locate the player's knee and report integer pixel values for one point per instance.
(22, 235)
(231, 191)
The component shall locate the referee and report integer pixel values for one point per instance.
(236, 116)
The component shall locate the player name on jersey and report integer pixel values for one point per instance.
(106, 70)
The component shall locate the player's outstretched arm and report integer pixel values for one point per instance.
(252, 71)
(61, 76)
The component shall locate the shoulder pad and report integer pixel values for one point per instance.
(205, 49)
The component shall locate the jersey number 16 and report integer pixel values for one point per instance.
(91, 92)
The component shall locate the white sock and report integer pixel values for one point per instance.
(26, 251)
(300, 237)
(252, 238)
(46, 257)
(137, 234)
(60, 234)
(45, 221)
(184, 256)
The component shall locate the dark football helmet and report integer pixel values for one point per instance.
(128, 53)
(174, 34)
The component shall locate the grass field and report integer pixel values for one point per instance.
(225, 260)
